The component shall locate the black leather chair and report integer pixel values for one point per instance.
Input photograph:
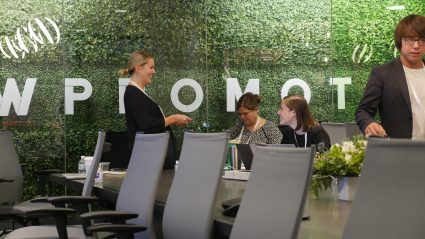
(119, 153)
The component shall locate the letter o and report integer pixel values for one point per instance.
(199, 95)
(296, 82)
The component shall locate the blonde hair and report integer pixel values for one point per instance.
(136, 58)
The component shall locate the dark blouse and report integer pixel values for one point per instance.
(316, 135)
(144, 115)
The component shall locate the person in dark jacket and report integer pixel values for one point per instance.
(396, 89)
(142, 113)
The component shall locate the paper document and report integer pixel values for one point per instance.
(115, 172)
(74, 175)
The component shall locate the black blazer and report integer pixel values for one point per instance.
(317, 135)
(144, 115)
(387, 92)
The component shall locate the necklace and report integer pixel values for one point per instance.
(305, 140)
(243, 127)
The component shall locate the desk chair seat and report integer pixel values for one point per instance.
(45, 232)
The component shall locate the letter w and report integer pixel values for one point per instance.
(12, 96)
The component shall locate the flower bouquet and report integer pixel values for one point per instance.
(340, 161)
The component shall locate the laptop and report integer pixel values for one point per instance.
(245, 152)
(245, 155)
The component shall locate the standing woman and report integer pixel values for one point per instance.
(253, 129)
(142, 113)
(298, 126)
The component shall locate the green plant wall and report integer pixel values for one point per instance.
(207, 41)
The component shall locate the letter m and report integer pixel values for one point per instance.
(12, 95)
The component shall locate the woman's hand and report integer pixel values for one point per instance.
(182, 119)
(177, 119)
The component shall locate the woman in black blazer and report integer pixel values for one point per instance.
(142, 113)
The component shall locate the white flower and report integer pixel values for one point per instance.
(348, 147)
(348, 157)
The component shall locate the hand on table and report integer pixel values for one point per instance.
(375, 129)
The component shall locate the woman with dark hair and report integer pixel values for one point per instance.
(298, 125)
(253, 129)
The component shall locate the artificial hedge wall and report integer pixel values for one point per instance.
(207, 41)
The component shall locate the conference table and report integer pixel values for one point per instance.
(327, 220)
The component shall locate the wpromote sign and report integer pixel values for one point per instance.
(21, 99)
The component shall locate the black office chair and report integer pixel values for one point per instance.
(119, 153)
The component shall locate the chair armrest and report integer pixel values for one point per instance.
(113, 216)
(52, 211)
(40, 199)
(59, 215)
(2, 180)
(117, 217)
(47, 172)
(121, 230)
(61, 200)
(7, 211)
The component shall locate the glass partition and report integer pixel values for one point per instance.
(60, 61)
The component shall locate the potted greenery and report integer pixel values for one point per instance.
(339, 162)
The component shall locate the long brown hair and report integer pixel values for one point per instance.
(305, 120)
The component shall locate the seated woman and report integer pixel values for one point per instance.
(298, 126)
(253, 128)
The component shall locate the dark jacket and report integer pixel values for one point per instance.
(317, 135)
(144, 115)
(387, 92)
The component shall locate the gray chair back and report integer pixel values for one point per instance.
(10, 170)
(352, 129)
(138, 190)
(91, 173)
(390, 196)
(189, 208)
(275, 194)
(336, 131)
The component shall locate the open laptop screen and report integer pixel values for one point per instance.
(245, 152)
